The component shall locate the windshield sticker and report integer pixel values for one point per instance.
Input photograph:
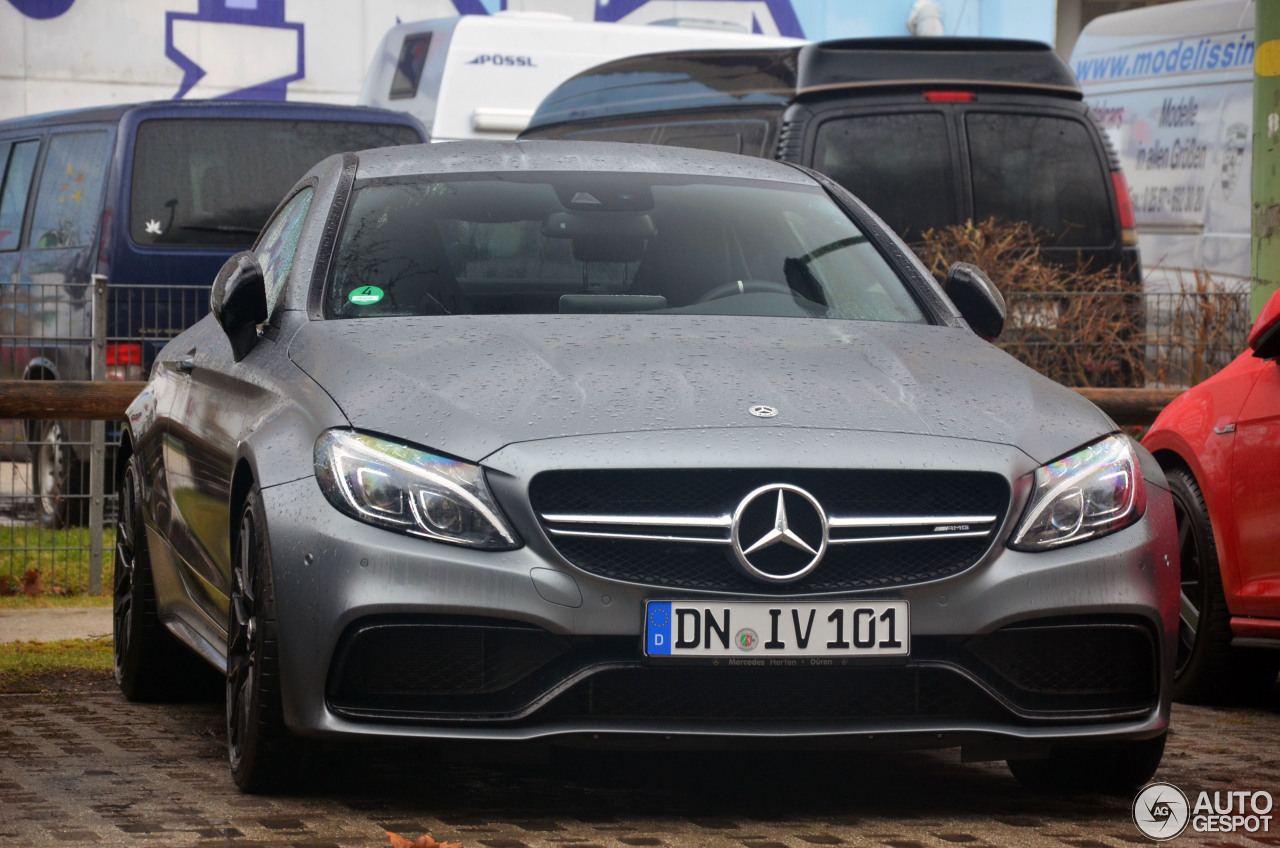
(153, 227)
(366, 296)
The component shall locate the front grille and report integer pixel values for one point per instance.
(859, 492)
(671, 529)
(843, 569)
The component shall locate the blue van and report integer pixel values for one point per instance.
(154, 197)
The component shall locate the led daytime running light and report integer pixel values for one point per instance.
(351, 467)
(1098, 488)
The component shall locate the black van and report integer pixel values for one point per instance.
(154, 197)
(926, 131)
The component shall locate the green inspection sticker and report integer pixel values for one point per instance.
(365, 296)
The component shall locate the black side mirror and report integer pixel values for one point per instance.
(239, 301)
(979, 301)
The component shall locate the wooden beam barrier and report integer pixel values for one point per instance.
(107, 400)
(66, 399)
(1131, 407)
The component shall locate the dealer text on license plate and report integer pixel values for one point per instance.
(701, 629)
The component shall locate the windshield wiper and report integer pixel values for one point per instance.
(819, 252)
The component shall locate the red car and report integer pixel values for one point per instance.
(1219, 444)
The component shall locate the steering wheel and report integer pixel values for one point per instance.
(745, 287)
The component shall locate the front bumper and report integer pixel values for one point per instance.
(386, 635)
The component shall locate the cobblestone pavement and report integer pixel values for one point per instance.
(84, 767)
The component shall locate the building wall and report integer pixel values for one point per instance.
(65, 54)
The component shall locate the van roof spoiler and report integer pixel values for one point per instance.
(697, 79)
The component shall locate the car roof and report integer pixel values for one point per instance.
(709, 79)
(1194, 17)
(290, 110)
(490, 156)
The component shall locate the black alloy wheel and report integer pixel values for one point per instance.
(59, 481)
(1207, 669)
(126, 596)
(259, 746)
(1197, 554)
(150, 663)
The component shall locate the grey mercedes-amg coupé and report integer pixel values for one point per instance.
(555, 441)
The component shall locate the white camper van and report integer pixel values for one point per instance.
(1173, 87)
(480, 76)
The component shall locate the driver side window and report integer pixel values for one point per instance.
(275, 253)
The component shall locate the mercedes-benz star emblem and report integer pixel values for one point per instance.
(759, 410)
(779, 533)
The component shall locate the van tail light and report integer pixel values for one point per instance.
(1128, 224)
(950, 97)
(124, 361)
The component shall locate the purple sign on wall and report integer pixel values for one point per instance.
(612, 11)
(42, 10)
(247, 13)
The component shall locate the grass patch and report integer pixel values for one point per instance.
(60, 557)
(39, 666)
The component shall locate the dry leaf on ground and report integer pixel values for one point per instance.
(424, 841)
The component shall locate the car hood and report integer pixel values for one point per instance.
(468, 385)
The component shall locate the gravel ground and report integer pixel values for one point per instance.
(81, 766)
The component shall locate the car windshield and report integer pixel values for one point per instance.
(584, 242)
(195, 186)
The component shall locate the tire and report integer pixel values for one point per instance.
(150, 663)
(60, 482)
(1207, 669)
(1113, 768)
(261, 751)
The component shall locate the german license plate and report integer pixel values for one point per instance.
(765, 630)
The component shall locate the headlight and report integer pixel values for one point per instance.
(1095, 491)
(409, 490)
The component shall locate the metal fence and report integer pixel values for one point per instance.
(1121, 339)
(1192, 335)
(57, 499)
(56, 536)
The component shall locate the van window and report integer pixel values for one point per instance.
(720, 142)
(21, 165)
(631, 135)
(194, 186)
(413, 58)
(725, 136)
(275, 253)
(68, 200)
(1043, 170)
(898, 163)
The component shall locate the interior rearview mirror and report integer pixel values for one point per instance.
(238, 301)
(602, 236)
(979, 301)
